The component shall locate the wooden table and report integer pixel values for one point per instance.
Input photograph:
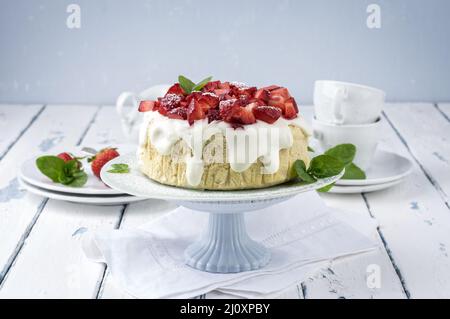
(40, 255)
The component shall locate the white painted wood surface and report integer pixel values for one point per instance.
(39, 239)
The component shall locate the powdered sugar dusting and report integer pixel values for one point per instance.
(210, 94)
(240, 85)
(227, 103)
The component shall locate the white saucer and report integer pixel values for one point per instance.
(386, 167)
(102, 200)
(94, 186)
(363, 188)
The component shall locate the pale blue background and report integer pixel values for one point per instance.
(134, 44)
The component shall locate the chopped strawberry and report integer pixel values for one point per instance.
(278, 97)
(234, 113)
(179, 113)
(65, 157)
(170, 101)
(210, 99)
(268, 114)
(221, 92)
(290, 109)
(195, 112)
(175, 89)
(213, 115)
(211, 86)
(263, 95)
(225, 85)
(146, 106)
(248, 92)
(101, 158)
(246, 114)
(271, 87)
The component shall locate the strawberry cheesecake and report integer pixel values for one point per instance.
(222, 136)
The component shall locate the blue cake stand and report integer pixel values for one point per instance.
(225, 246)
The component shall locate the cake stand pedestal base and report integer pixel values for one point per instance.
(226, 247)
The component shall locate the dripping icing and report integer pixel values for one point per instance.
(164, 132)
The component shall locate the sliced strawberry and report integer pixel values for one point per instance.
(179, 113)
(263, 95)
(146, 106)
(290, 109)
(268, 114)
(195, 112)
(175, 89)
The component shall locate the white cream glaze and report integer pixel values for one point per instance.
(165, 132)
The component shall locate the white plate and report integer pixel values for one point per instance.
(30, 173)
(138, 184)
(386, 167)
(363, 188)
(102, 200)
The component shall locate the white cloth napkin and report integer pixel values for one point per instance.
(301, 233)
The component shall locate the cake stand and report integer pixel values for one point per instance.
(225, 246)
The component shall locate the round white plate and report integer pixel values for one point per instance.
(105, 200)
(386, 167)
(363, 188)
(31, 174)
(138, 184)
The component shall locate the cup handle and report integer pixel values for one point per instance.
(127, 118)
(340, 95)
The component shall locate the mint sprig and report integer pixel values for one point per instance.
(68, 173)
(329, 164)
(189, 86)
(119, 169)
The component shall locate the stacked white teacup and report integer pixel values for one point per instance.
(348, 113)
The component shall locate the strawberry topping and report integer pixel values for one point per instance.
(232, 102)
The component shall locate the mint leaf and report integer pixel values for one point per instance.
(51, 166)
(119, 169)
(186, 84)
(325, 189)
(67, 173)
(300, 169)
(201, 84)
(79, 180)
(343, 152)
(310, 149)
(353, 172)
(325, 166)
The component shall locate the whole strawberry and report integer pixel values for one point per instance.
(101, 158)
(65, 157)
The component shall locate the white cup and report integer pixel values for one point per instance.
(130, 119)
(364, 136)
(347, 103)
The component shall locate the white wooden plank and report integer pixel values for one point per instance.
(426, 134)
(14, 121)
(348, 278)
(444, 108)
(414, 220)
(18, 209)
(64, 272)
